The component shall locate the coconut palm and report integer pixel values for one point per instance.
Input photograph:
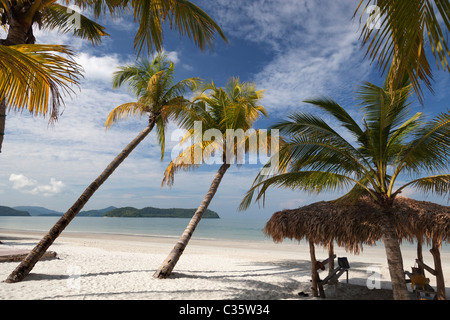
(159, 96)
(23, 85)
(214, 112)
(182, 15)
(389, 147)
(397, 38)
(18, 17)
(34, 77)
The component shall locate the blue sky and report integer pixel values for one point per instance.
(293, 49)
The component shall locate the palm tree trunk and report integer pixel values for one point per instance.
(2, 121)
(166, 268)
(314, 274)
(394, 257)
(440, 283)
(17, 34)
(33, 257)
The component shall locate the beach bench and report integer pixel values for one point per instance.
(333, 277)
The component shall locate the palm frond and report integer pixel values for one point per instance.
(137, 75)
(184, 87)
(305, 124)
(316, 151)
(309, 181)
(384, 111)
(190, 158)
(429, 148)
(65, 20)
(356, 193)
(182, 15)
(338, 112)
(161, 123)
(35, 77)
(400, 40)
(225, 114)
(126, 110)
(115, 8)
(158, 96)
(439, 184)
(399, 135)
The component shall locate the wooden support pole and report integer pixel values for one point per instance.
(440, 284)
(331, 257)
(314, 273)
(419, 254)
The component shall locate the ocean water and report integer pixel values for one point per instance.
(219, 229)
(211, 229)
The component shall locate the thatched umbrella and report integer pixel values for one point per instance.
(351, 226)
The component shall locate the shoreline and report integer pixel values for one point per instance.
(118, 266)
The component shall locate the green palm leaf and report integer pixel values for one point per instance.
(400, 39)
(151, 15)
(158, 94)
(391, 140)
(338, 112)
(234, 107)
(310, 181)
(56, 16)
(439, 184)
(428, 151)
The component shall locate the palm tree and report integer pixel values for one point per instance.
(159, 97)
(151, 15)
(34, 77)
(399, 40)
(216, 111)
(24, 85)
(18, 17)
(389, 147)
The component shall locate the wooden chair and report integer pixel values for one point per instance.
(333, 277)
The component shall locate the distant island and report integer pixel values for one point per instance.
(125, 212)
(150, 212)
(7, 211)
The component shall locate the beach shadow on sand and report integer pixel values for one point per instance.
(256, 288)
(252, 281)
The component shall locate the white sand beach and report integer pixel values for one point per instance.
(100, 266)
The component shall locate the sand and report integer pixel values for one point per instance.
(102, 266)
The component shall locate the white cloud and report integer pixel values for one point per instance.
(27, 185)
(98, 68)
(20, 181)
(101, 68)
(173, 56)
(52, 188)
(316, 46)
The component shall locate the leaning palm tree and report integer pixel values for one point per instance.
(216, 113)
(159, 97)
(389, 147)
(394, 35)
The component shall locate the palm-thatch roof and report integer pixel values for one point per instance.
(351, 226)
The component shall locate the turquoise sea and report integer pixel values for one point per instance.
(210, 229)
(219, 229)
